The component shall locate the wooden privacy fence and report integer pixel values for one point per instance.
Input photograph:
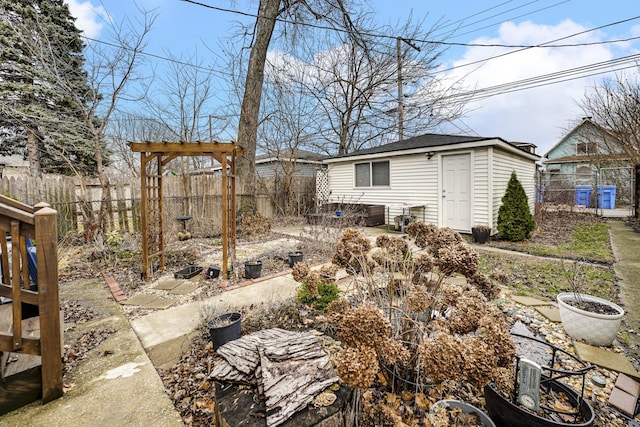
(198, 196)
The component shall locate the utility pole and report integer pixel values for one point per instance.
(400, 107)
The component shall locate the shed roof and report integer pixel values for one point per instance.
(433, 140)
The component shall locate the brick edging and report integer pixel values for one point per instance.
(113, 286)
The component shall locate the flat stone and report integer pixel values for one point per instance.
(140, 299)
(606, 358)
(167, 285)
(457, 280)
(529, 301)
(161, 303)
(628, 385)
(551, 313)
(623, 401)
(184, 289)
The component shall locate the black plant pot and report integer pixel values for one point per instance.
(230, 330)
(480, 235)
(295, 257)
(252, 269)
(508, 414)
(213, 272)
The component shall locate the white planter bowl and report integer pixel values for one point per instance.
(593, 328)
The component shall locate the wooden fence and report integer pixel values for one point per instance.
(198, 196)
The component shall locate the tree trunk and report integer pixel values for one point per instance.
(33, 153)
(248, 126)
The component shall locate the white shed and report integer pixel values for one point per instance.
(448, 180)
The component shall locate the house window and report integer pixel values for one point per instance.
(372, 174)
(586, 148)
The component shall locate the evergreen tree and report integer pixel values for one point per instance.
(515, 222)
(39, 119)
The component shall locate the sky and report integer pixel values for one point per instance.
(537, 112)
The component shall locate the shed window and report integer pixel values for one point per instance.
(372, 174)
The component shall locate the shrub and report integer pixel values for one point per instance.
(318, 298)
(515, 222)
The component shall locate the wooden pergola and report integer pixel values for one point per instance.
(158, 154)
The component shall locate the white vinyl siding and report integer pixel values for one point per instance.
(503, 164)
(480, 183)
(412, 178)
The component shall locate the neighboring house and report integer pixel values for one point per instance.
(582, 152)
(448, 180)
(13, 166)
(300, 163)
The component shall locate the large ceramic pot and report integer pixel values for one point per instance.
(506, 413)
(593, 328)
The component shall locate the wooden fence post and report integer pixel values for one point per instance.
(49, 301)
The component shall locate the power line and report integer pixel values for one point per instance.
(438, 42)
(589, 70)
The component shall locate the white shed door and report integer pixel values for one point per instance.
(456, 191)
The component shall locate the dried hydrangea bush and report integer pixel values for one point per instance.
(405, 325)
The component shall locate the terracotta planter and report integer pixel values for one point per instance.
(593, 328)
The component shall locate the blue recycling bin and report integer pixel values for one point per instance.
(607, 196)
(583, 195)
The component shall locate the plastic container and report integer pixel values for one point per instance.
(188, 272)
(213, 272)
(583, 195)
(252, 269)
(607, 196)
(295, 257)
(230, 329)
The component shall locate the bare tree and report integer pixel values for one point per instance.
(614, 106)
(290, 14)
(111, 71)
(362, 86)
(288, 116)
(125, 127)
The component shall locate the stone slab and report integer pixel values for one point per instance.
(551, 313)
(605, 358)
(161, 303)
(529, 301)
(140, 299)
(629, 385)
(184, 289)
(167, 285)
(623, 401)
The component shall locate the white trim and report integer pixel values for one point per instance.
(490, 187)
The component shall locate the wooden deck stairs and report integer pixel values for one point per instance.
(30, 324)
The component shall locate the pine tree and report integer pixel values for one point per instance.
(515, 222)
(38, 118)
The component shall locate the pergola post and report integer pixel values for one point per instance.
(151, 194)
